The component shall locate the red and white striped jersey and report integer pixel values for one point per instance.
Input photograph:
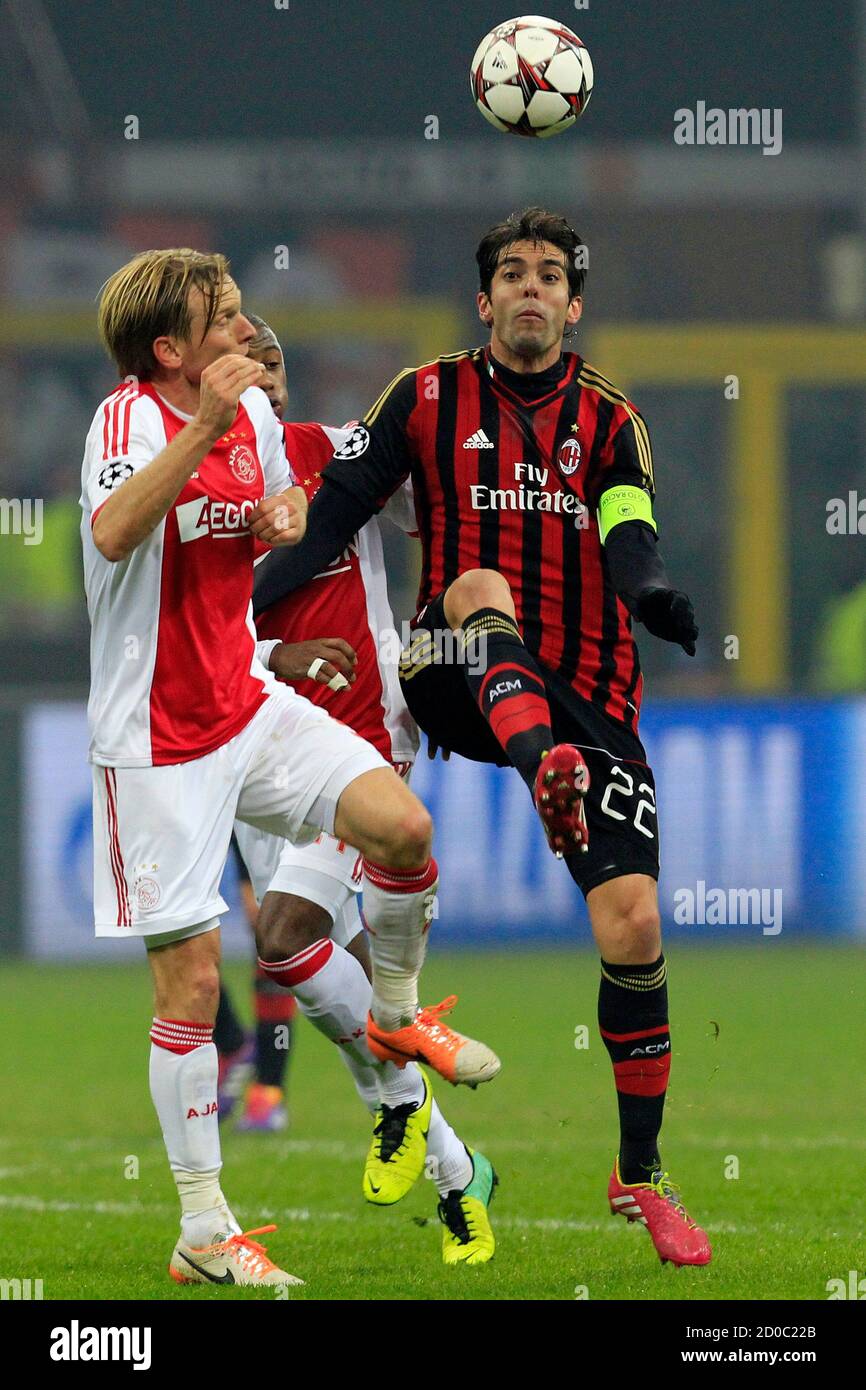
(174, 671)
(350, 600)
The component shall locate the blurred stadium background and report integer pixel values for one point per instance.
(332, 150)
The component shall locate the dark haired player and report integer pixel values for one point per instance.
(533, 485)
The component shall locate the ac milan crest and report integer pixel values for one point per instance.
(568, 458)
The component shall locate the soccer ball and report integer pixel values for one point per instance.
(531, 76)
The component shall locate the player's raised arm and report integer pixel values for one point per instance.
(135, 509)
(628, 532)
(363, 473)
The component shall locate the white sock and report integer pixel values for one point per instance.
(400, 1085)
(398, 907)
(365, 1081)
(453, 1166)
(332, 990)
(205, 1213)
(377, 1083)
(183, 1085)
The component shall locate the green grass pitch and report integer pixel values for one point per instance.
(768, 1059)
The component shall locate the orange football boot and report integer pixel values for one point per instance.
(460, 1060)
(234, 1260)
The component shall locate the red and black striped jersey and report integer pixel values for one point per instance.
(512, 484)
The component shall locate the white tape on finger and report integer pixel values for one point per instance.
(337, 682)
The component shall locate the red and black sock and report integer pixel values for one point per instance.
(508, 688)
(633, 1021)
(228, 1032)
(275, 1011)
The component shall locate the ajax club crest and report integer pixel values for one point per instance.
(243, 464)
(568, 458)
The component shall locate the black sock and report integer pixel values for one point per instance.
(275, 1010)
(508, 688)
(633, 1021)
(271, 1060)
(228, 1033)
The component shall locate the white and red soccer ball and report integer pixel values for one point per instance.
(531, 76)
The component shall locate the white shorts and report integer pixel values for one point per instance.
(327, 873)
(161, 834)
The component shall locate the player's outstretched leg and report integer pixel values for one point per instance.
(331, 985)
(508, 688)
(377, 813)
(410, 1134)
(333, 992)
(183, 1082)
(405, 1130)
(633, 1021)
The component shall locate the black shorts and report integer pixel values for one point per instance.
(621, 802)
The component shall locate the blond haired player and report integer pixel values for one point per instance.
(184, 468)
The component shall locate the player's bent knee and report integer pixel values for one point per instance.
(636, 936)
(474, 589)
(288, 924)
(410, 839)
(379, 815)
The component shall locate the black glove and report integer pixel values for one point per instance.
(668, 614)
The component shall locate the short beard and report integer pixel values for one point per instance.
(530, 347)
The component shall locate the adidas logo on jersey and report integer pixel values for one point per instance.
(478, 440)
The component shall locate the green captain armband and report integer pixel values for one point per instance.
(623, 504)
